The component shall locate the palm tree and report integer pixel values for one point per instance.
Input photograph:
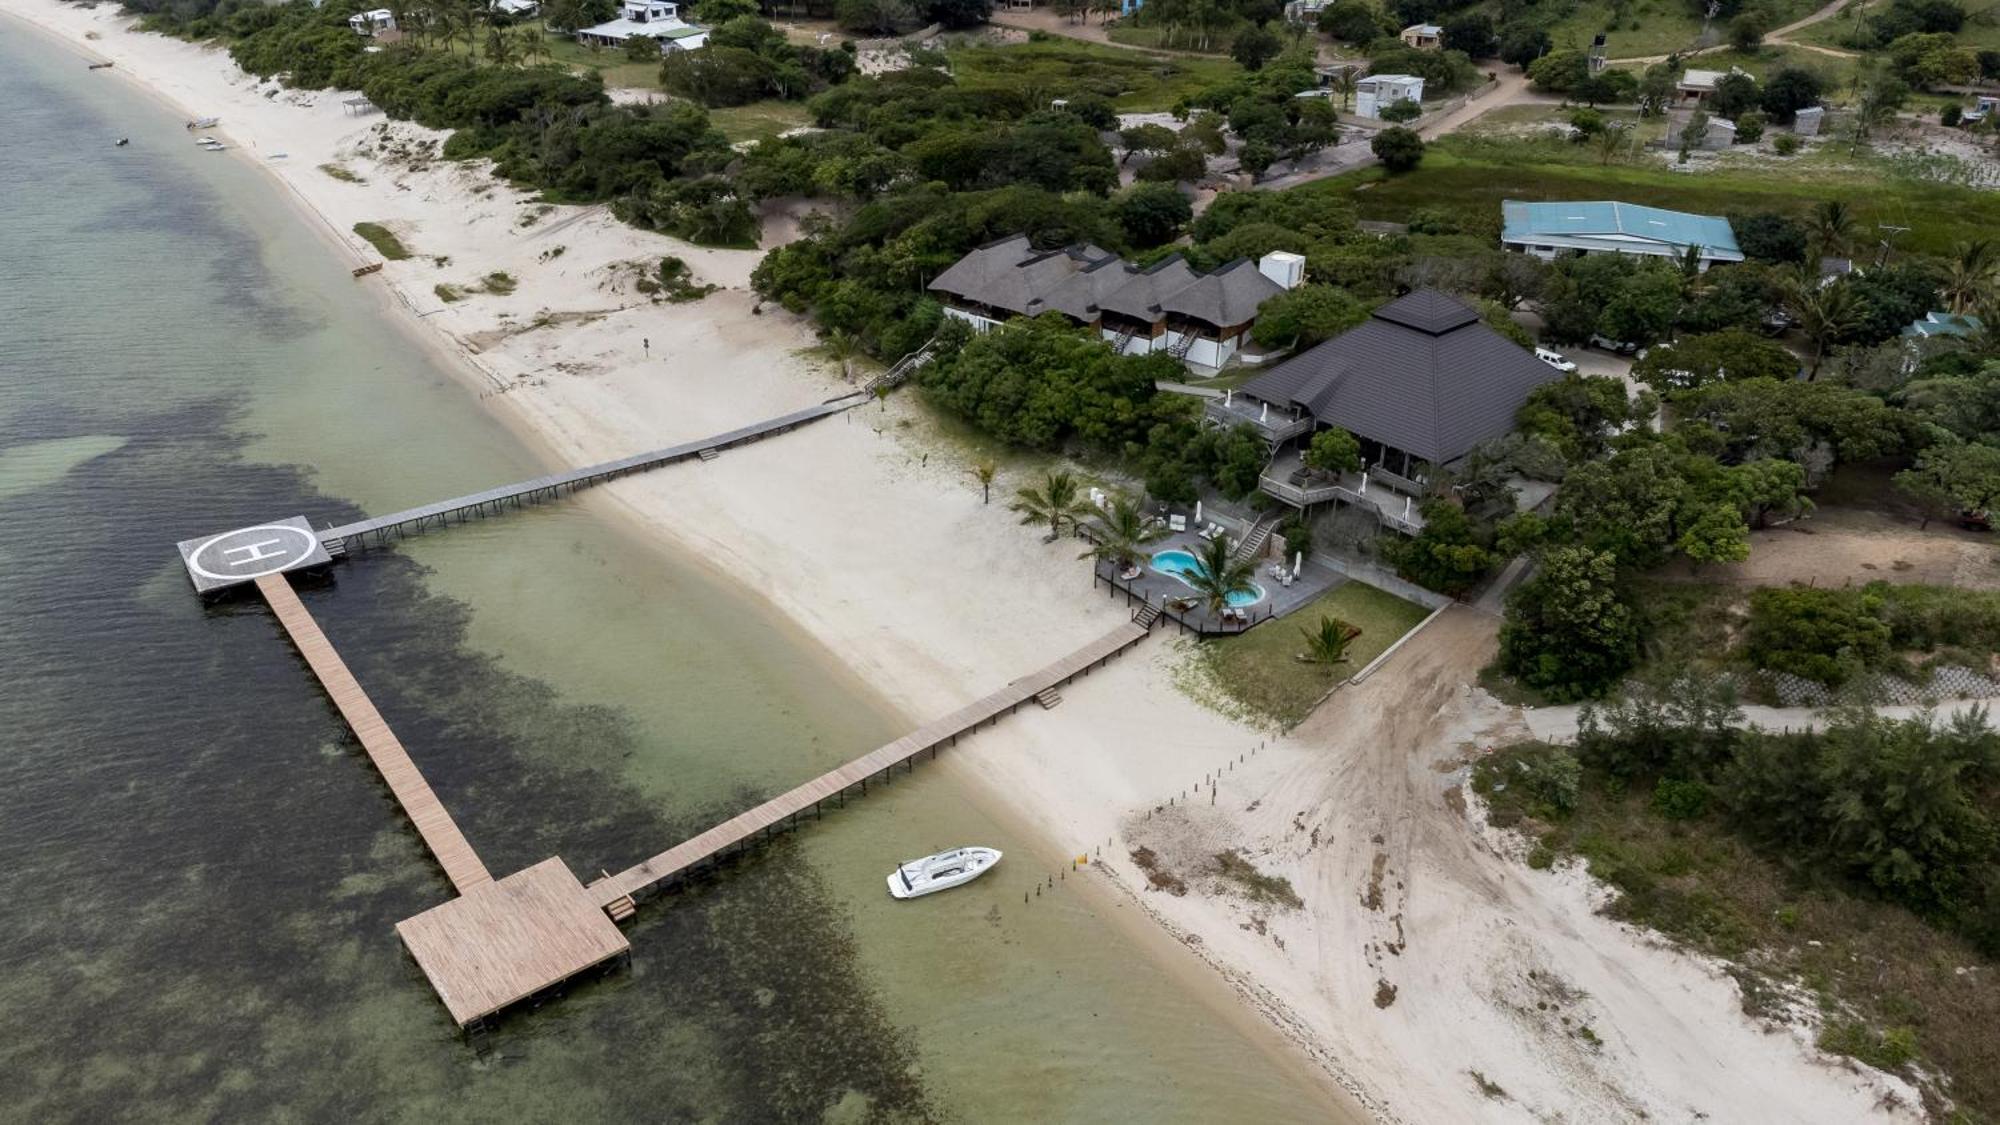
(499, 46)
(1122, 531)
(1328, 643)
(1345, 81)
(1824, 313)
(1833, 228)
(984, 472)
(841, 348)
(1057, 502)
(1610, 141)
(1218, 575)
(533, 45)
(1972, 275)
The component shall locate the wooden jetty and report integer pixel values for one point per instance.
(339, 540)
(441, 835)
(504, 941)
(618, 890)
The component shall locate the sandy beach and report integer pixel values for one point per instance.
(1429, 976)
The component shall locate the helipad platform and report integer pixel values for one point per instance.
(232, 558)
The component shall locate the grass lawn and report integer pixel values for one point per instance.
(1134, 82)
(759, 119)
(1260, 669)
(384, 242)
(1872, 966)
(1155, 38)
(1469, 176)
(1981, 30)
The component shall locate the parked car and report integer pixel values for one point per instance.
(1555, 359)
(1619, 347)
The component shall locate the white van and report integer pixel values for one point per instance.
(1555, 359)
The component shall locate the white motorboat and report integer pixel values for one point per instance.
(942, 871)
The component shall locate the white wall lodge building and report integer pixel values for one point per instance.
(1378, 92)
(1202, 319)
(369, 23)
(652, 19)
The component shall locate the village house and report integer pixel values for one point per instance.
(1423, 36)
(651, 19)
(372, 23)
(1419, 384)
(1697, 86)
(1378, 92)
(1202, 319)
(1549, 230)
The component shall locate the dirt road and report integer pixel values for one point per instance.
(1459, 982)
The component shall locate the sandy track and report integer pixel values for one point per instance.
(1427, 952)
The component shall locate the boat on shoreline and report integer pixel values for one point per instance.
(941, 872)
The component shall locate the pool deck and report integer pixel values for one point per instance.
(1279, 601)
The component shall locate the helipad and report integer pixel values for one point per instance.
(235, 557)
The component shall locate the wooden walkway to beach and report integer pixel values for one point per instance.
(617, 891)
(440, 833)
(339, 540)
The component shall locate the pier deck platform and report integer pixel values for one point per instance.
(509, 940)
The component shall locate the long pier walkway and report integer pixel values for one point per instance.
(441, 835)
(618, 890)
(338, 540)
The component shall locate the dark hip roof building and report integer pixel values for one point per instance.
(1200, 318)
(1423, 376)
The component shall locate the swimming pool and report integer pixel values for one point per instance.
(1180, 564)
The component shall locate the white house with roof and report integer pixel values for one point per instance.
(1423, 36)
(1378, 92)
(1550, 230)
(650, 19)
(1201, 319)
(372, 22)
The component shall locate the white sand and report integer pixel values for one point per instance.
(869, 533)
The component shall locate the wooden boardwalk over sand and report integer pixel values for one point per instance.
(746, 826)
(441, 835)
(338, 540)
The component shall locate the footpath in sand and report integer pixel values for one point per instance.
(1408, 966)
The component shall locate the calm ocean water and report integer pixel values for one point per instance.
(199, 871)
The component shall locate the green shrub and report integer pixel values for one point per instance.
(1787, 144)
(384, 242)
(1821, 635)
(1680, 800)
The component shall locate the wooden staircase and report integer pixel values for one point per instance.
(619, 908)
(1253, 543)
(1146, 615)
(1048, 698)
(708, 454)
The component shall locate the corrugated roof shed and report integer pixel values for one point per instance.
(1612, 225)
(1423, 374)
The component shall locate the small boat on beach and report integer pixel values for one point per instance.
(941, 872)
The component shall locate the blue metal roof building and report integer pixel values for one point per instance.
(1606, 227)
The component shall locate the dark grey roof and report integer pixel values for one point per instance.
(1080, 294)
(1080, 280)
(1225, 298)
(1423, 374)
(1011, 274)
(1143, 291)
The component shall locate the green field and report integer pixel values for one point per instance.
(1469, 176)
(1134, 81)
(1260, 669)
(759, 119)
(1981, 30)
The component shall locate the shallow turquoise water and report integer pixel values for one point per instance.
(201, 873)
